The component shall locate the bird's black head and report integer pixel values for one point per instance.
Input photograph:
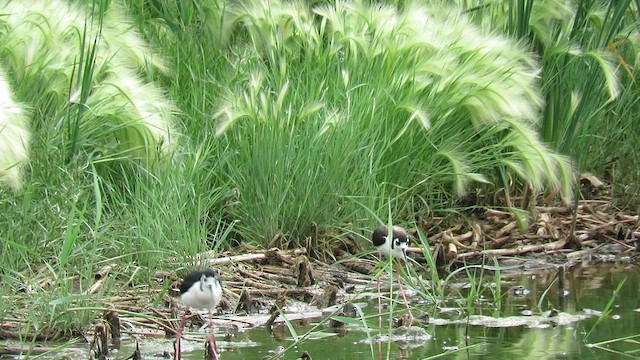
(198, 275)
(396, 246)
(400, 236)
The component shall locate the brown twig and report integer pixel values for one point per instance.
(514, 251)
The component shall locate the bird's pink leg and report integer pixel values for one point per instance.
(177, 351)
(211, 342)
(379, 321)
(404, 297)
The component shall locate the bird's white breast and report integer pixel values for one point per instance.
(397, 252)
(207, 296)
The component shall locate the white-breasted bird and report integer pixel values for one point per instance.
(201, 289)
(392, 244)
(395, 246)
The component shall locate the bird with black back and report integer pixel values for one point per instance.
(201, 289)
(392, 243)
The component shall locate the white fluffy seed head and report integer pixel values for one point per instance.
(14, 137)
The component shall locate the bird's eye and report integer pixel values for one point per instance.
(396, 242)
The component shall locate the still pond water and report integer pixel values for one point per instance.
(520, 329)
(489, 334)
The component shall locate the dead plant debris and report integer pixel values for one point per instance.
(262, 285)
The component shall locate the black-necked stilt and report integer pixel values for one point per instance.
(201, 289)
(392, 244)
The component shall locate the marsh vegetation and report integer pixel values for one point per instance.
(149, 136)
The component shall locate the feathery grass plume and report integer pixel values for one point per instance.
(455, 73)
(81, 66)
(589, 55)
(581, 44)
(429, 104)
(276, 26)
(130, 112)
(14, 137)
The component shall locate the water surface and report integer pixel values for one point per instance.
(518, 326)
(587, 291)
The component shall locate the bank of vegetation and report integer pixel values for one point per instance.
(141, 133)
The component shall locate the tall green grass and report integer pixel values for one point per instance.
(104, 179)
(84, 63)
(588, 54)
(407, 106)
(290, 114)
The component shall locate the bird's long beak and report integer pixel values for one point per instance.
(202, 279)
